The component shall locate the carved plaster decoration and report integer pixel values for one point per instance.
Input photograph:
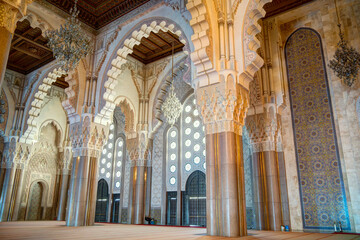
(265, 130)
(11, 11)
(223, 107)
(37, 22)
(104, 116)
(15, 154)
(253, 62)
(14, 82)
(87, 138)
(129, 116)
(202, 54)
(37, 104)
(70, 103)
(139, 149)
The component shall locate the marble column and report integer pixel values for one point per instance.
(223, 107)
(6, 193)
(83, 188)
(266, 190)
(10, 13)
(139, 192)
(19, 180)
(64, 186)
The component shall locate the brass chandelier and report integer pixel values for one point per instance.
(346, 61)
(68, 43)
(172, 106)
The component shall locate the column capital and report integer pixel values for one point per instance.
(265, 131)
(11, 11)
(223, 107)
(16, 154)
(139, 149)
(87, 138)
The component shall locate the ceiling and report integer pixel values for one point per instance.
(279, 6)
(98, 13)
(156, 46)
(28, 50)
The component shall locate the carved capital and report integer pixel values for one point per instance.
(87, 138)
(11, 11)
(223, 107)
(16, 154)
(265, 130)
(139, 149)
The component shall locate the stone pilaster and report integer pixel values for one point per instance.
(87, 139)
(223, 107)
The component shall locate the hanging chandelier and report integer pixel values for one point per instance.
(346, 61)
(68, 43)
(172, 106)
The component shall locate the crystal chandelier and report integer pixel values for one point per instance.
(346, 61)
(172, 107)
(68, 43)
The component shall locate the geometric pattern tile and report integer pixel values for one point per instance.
(322, 192)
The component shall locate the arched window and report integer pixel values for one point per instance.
(185, 154)
(102, 201)
(322, 192)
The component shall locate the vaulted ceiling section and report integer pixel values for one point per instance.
(98, 13)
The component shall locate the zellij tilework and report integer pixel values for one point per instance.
(321, 185)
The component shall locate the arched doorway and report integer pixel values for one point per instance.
(194, 200)
(34, 202)
(102, 201)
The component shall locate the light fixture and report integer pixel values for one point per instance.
(68, 43)
(172, 107)
(346, 61)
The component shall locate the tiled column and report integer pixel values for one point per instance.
(223, 107)
(8, 18)
(83, 182)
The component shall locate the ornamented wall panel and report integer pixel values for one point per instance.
(321, 184)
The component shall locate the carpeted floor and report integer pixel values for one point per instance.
(58, 230)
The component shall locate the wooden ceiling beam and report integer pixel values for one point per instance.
(151, 42)
(27, 53)
(139, 53)
(163, 40)
(33, 42)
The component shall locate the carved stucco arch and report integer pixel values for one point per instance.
(105, 114)
(252, 60)
(37, 22)
(31, 132)
(128, 109)
(57, 127)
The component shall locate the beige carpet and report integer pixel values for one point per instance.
(58, 230)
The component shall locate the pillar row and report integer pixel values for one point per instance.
(223, 107)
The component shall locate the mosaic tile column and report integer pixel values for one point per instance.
(223, 107)
(322, 192)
